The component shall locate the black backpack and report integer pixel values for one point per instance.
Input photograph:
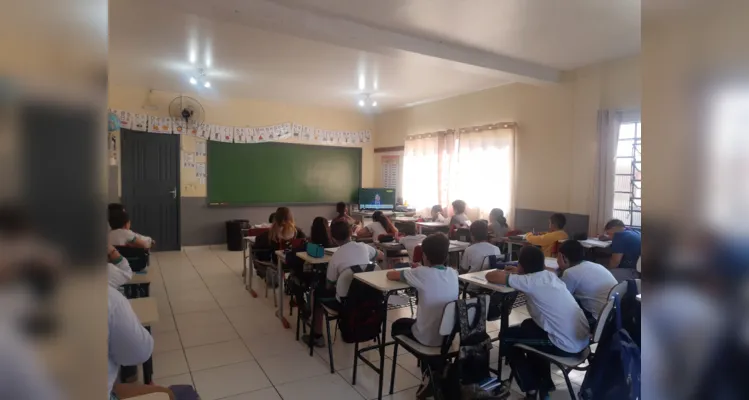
(362, 313)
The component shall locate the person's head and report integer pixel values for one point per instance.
(320, 231)
(531, 259)
(115, 207)
(271, 218)
(119, 220)
(459, 206)
(498, 215)
(613, 226)
(340, 231)
(570, 253)
(479, 231)
(14, 220)
(435, 249)
(283, 216)
(340, 208)
(437, 209)
(408, 229)
(557, 222)
(378, 216)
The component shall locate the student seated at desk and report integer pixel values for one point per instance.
(283, 228)
(437, 286)
(557, 324)
(411, 239)
(338, 276)
(460, 219)
(121, 235)
(626, 246)
(343, 215)
(548, 241)
(119, 271)
(589, 283)
(475, 256)
(129, 343)
(437, 215)
(380, 225)
(319, 233)
(497, 223)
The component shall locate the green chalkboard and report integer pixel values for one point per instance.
(281, 173)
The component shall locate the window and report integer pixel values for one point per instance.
(628, 175)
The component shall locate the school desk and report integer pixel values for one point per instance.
(151, 396)
(379, 281)
(281, 256)
(139, 285)
(146, 310)
(434, 226)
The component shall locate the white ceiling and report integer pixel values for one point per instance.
(320, 52)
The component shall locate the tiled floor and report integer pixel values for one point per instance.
(212, 334)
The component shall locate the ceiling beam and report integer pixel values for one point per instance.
(280, 17)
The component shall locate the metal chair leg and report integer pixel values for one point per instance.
(356, 354)
(569, 384)
(330, 344)
(392, 370)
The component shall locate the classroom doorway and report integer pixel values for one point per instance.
(150, 185)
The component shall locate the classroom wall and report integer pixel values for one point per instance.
(557, 128)
(201, 225)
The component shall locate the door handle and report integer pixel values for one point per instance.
(174, 193)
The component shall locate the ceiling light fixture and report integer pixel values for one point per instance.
(207, 84)
(374, 104)
(361, 103)
(366, 100)
(200, 79)
(193, 80)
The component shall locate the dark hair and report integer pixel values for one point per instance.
(459, 206)
(115, 207)
(498, 215)
(14, 219)
(271, 218)
(408, 229)
(378, 216)
(437, 208)
(479, 231)
(320, 232)
(340, 208)
(573, 251)
(340, 231)
(558, 219)
(613, 224)
(118, 219)
(435, 248)
(531, 258)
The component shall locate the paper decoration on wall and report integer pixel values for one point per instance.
(200, 173)
(188, 160)
(240, 135)
(200, 148)
(140, 122)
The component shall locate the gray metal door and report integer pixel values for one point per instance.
(150, 185)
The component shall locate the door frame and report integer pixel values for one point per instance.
(123, 133)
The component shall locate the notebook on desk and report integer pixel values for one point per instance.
(331, 250)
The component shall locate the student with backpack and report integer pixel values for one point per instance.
(437, 286)
(557, 324)
(349, 254)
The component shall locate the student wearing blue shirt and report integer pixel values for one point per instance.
(626, 245)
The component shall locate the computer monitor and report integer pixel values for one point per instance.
(376, 199)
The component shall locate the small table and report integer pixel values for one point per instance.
(140, 282)
(431, 225)
(151, 396)
(379, 281)
(281, 256)
(510, 242)
(146, 310)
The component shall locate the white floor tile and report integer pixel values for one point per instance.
(262, 394)
(201, 318)
(169, 363)
(165, 324)
(284, 369)
(329, 387)
(269, 346)
(217, 355)
(166, 341)
(193, 305)
(408, 394)
(207, 334)
(229, 380)
(184, 379)
(367, 380)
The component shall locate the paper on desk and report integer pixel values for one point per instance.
(595, 243)
(551, 263)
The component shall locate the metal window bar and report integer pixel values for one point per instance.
(635, 183)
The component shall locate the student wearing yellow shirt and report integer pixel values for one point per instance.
(549, 240)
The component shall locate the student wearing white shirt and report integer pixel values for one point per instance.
(437, 286)
(339, 275)
(121, 235)
(119, 271)
(437, 215)
(380, 225)
(411, 239)
(460, 219)
(589, 283)
(557, 324)
(475, 256)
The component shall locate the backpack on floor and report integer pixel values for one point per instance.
(362, 313)
(614, 371)
(184, 392)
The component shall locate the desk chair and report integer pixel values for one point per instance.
(418, 254)
(137, 257)
(248, 233)
(568, 364)
(449, 328)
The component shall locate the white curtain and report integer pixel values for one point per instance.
(609, 122)
(475, 166)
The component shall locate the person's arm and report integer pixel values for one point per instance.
(569, 280)
(331, 276)
(617, 251)
(363, 232)
(616, 258)
(117, 277)
(394, 275)
(497, 276)
(541, 240)
(465, 261)
(129, 342)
